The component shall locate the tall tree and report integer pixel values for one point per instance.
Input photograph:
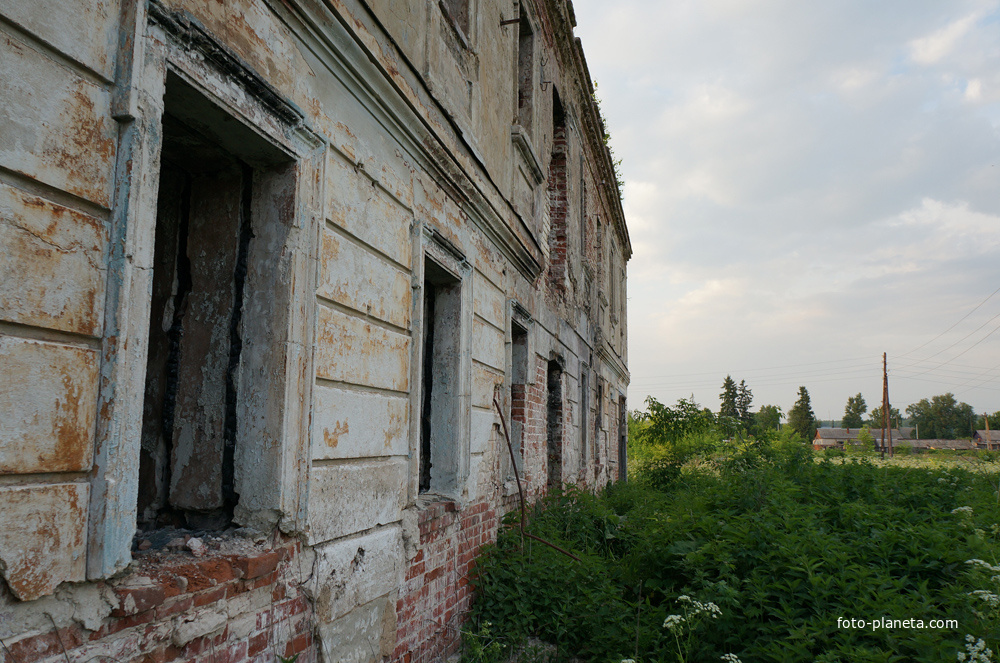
(854, 412)
(801, 417)
(728, 398)
(744, 398)
(874, 420)
(942, 417)
(768, 418)
(994, 421)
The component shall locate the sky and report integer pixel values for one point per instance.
(807, 186)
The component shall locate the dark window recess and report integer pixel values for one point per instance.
(558, 200)
(584, 415)
(439, 458)
(554, 420)
(525, 73)
(458, 10)
(518, 387)
(599, 421)
(203, 233)
(622, 440)
(212, 203)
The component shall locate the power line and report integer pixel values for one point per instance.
(953, 326)
(751, 370)
(968, 348)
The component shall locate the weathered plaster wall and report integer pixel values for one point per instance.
(403, 138)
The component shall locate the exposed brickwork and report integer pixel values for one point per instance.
(436, 593)
(355, 183)
(217, 609)
(558, 213)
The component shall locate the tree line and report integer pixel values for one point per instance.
(940, 417)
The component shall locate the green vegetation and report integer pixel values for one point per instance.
(727, 408)
(801, 417)
(854, 412)
(616, 162)
(874, 420)
(942, 417)
(728, 547)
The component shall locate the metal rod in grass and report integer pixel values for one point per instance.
(520, 490)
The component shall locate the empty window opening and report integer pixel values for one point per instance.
(613, 283)
(207, 268)
(554, 421)
(558, 201)
(599, 421)
(458, 10)
(525, 72)
(518, 388)
(439, 457)
(583, 215)
(584, 415)
(622, 440)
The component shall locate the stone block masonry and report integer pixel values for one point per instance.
(265, 267)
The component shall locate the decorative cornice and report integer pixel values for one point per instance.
(520, 313)
(329, 36)
(190, 33)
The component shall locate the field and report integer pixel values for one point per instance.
(755, 552)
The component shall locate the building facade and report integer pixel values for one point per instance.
(274, 274)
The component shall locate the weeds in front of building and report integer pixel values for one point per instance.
(804, 558)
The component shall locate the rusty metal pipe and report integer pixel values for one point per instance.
(520, 490)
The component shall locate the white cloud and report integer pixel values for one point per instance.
(974, 90)
(803, 182)
(934, 47)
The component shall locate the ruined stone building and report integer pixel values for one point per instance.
(265, 265)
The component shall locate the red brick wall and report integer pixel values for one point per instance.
(252, 608)
(558, 213)
(436, 593)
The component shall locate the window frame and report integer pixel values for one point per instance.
(167, 47)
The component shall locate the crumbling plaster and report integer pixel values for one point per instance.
(405, 145)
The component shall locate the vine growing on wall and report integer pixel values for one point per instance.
(616, 162)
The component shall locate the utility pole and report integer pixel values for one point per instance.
(886, 423)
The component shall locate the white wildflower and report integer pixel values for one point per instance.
(730, 658)
(985, 565)
(976, 651)
(673, 621)
(989, 597)
(963, 509)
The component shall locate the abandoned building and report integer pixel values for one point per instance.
(273, 276)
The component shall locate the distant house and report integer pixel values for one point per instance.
(987, 439)
(827, 438)
(939, 445)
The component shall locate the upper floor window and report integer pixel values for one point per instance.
(613, 284)
(558, 197)
(459, 11)
(525, 72)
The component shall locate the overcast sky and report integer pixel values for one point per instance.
(808, 185)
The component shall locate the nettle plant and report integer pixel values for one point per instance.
(779, 542)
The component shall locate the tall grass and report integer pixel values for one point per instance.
(781, 543)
